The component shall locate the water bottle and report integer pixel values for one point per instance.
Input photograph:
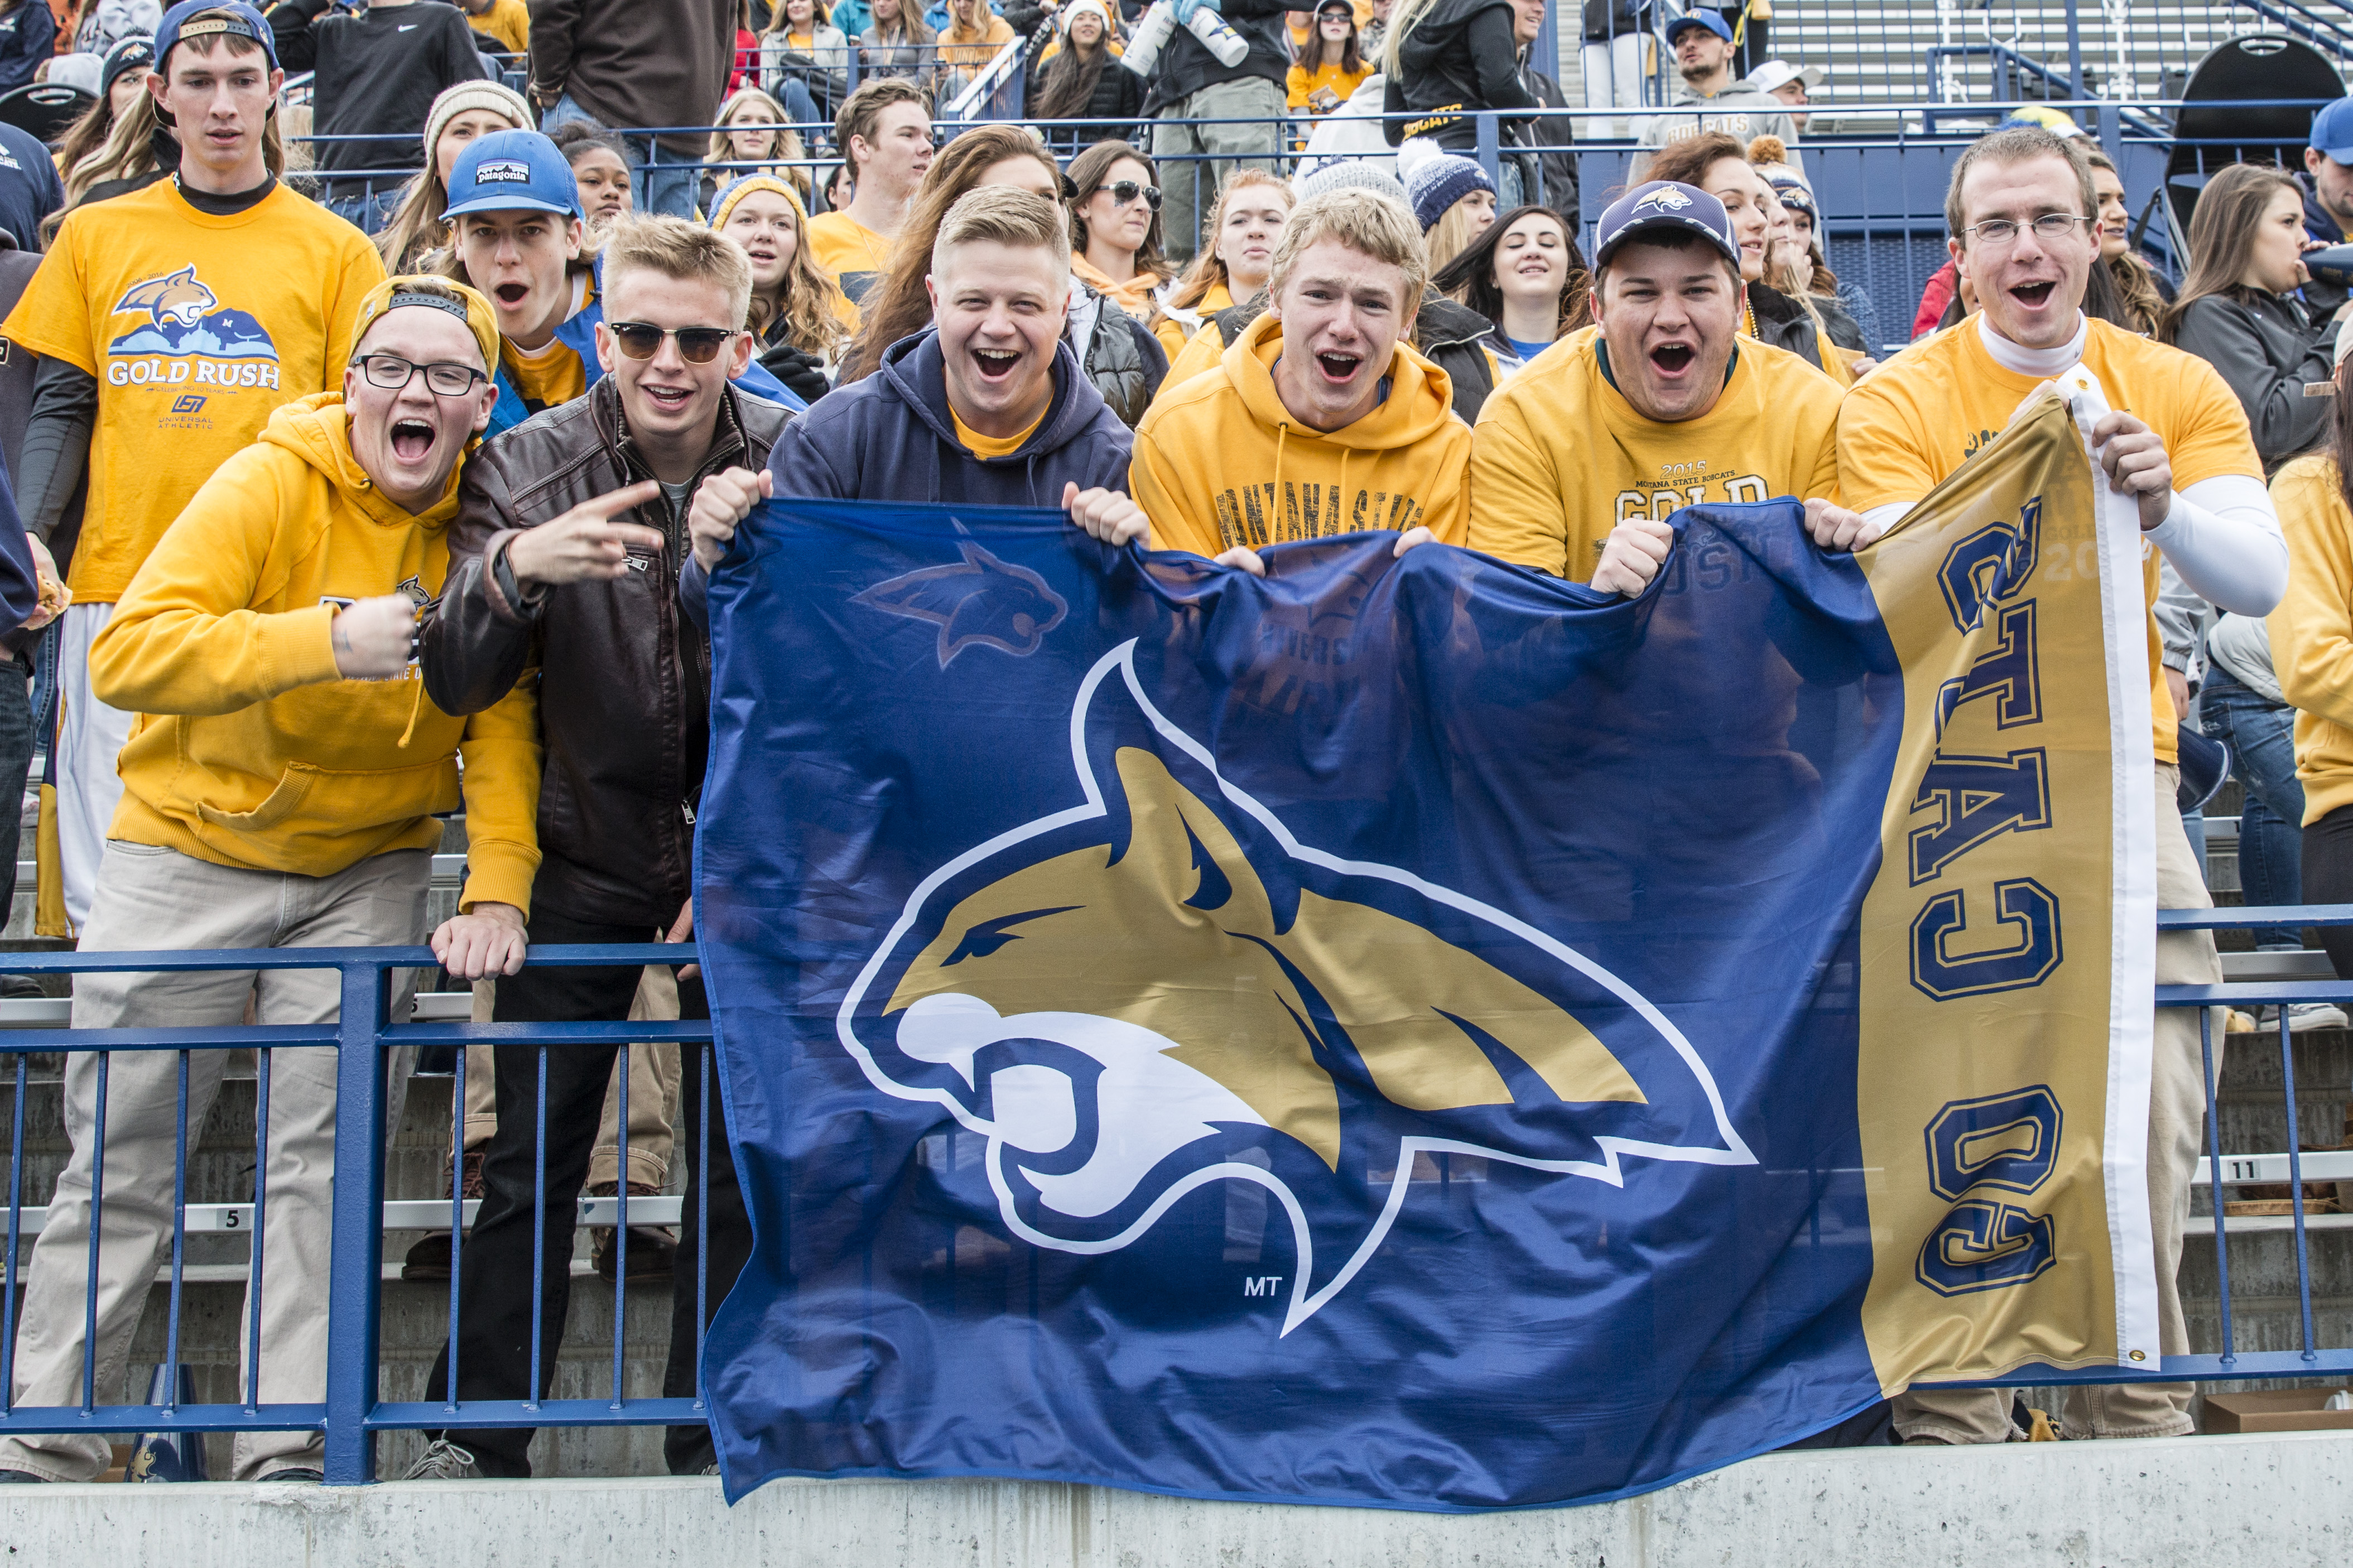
(2333, 265)
(1153, 32)
(1144, 45)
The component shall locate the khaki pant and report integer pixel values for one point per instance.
(152, 899)
(2177, 1119)
(653, 1090)
(1255, 105)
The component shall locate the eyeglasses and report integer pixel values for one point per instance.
(392, 373)
(696, 345)
(1126, 191)
(1997, 231)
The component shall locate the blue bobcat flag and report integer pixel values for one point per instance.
(1396, 1032)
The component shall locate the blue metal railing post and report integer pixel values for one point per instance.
(356, 1262)
(1490, 148)
(2075, 57)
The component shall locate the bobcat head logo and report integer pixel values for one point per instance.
(177, 297)
(1149, 993)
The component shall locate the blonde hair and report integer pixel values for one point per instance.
(1208, 268)
(1407, 15)
(1450, 235)
(808, 302)
(1005, 215)
(677, 248)
(786, 151)
(128, 151)
(1368, 221)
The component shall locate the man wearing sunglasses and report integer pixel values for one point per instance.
(570, 532)
(279, 790)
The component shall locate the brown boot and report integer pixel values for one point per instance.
(653, 1249)
(428, 1257)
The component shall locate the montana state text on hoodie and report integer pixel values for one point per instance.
(1220, 461)
(249, 751)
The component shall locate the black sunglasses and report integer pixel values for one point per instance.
(1126, 191)
(696, 345)
(392, 374)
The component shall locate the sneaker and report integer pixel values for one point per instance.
(653, 1249)
(428, 1255)
(20, 988)
(296, 1473)
(2303, 1017)
(444, 1461)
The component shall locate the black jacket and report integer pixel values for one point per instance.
(1187, 66)
(1783, 322)
(377, 75)
(1450, 336)
(2270, 352)
(624, 684)
(1110, 114)
(2323, 298)
(1121, 357)
(1461, 56)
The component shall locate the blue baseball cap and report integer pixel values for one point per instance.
(1703, 17)
(2332, 129)
(512, 169)
(211, 18)
(1665, 204)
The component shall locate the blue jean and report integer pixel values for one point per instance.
(666, 181)
(2260, 734)
(370, 210)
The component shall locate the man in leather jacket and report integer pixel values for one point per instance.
(570, 532)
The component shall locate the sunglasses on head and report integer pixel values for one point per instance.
(1126, 191)
(696, 345)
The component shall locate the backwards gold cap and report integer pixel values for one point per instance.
(417, 291)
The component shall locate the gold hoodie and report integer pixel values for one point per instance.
(1223, 462)
(248, 751)
(2312, 630)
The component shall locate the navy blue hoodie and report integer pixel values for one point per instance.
(890, 438)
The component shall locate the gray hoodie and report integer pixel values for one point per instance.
(1741, 110)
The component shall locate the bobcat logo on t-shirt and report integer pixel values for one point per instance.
(185, 337)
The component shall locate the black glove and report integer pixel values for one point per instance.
(800, 371)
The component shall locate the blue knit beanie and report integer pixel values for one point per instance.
(1437, 180)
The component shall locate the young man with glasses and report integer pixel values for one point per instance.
(2019, 209)
(570, 532)
(279, 790)
(170, 323)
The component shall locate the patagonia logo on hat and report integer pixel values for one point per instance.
(504, 171)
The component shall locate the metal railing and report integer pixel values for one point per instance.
(352, 1414)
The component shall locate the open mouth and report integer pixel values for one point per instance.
(2034, 295)
(511, 295)
(1672, 359)
(669, 399)
(996, 365)
(1339, 368)
(411, 439)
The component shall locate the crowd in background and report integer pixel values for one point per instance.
(375, 453)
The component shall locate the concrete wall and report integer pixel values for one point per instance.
(2191, 1501)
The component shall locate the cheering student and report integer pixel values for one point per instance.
(1525, 276)
(1322, 419)
(570, 530)
(268, 637)
(1453, 337)
(988, 407)
(1114, 350)
(884, 134)
(518, 238)
(461, 115)
(126, 312)
(1719, 165)
(1567, 455)
(1115, 226)
(2021, 209)
(1238, 250)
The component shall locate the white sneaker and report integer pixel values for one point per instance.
(444, 1461)
(2304, 1016)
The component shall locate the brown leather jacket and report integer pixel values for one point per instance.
(624, 685)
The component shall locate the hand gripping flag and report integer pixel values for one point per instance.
(1413, 1032)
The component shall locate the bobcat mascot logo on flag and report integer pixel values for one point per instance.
(1161, 988)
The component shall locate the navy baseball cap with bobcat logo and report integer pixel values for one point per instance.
(1665, 204)
(213, 18)
(512, 169)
